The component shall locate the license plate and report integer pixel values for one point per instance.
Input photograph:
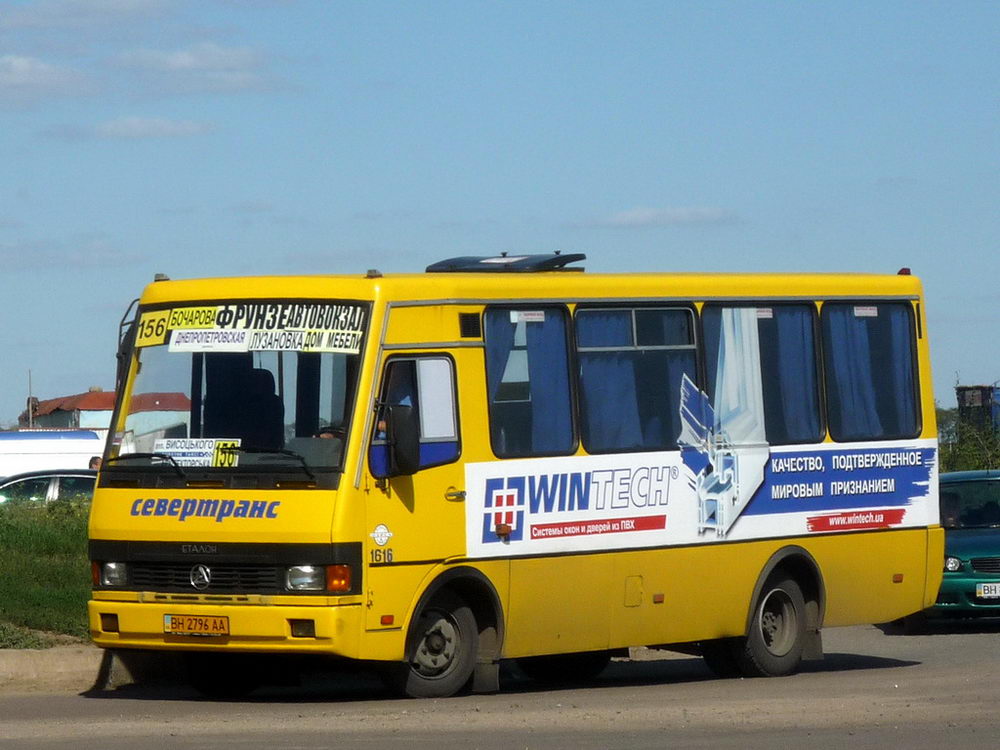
(196, 624)
(988, 590)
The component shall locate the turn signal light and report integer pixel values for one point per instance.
(338, 578)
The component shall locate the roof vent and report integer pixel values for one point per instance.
(507, 263)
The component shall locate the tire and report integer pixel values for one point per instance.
(441, 650)
(720, 656)
(222, 676)
(565, 668)
(773, 646)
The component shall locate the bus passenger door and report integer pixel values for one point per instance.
(415, 508)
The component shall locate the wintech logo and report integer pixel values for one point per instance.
(548, 493)
(504, 505)
(614, 491)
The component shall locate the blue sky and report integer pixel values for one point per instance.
(220, 137)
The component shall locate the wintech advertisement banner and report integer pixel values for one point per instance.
(593, 503)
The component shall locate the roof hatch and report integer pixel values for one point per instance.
(507, 263)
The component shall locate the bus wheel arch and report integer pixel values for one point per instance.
(464, 588)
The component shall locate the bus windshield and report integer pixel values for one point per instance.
(235, 393)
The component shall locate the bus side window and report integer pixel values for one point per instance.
(527, 373)
(870, 363)
(631, 361)
(426, 385)
(786, 343)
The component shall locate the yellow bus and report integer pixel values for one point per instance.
(508, 458)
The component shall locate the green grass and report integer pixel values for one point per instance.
(12, 636)
(44, 573)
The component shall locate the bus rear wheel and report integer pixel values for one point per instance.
(441, 650)
(773, 645)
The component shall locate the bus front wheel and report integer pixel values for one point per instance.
(441, 650)
(773, 645)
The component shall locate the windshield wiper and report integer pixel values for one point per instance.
(162, 456)
(276, 451)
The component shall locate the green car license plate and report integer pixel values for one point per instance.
(988, 590)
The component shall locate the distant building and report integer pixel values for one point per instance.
(978, 406)
(92, 411)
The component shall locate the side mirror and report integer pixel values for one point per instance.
(403, 436)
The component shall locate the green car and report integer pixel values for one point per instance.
(970, 515)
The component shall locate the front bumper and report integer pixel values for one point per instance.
(957, 597)
(263, 628)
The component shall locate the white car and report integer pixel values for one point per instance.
(47, 486)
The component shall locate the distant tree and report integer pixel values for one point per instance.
(947, 425)
(964, 446)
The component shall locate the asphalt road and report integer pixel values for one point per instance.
(871, 691)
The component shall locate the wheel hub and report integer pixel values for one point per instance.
(778, 623)
(435, 653)
(436, 642)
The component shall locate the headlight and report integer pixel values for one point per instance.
(114, 574)
(305, 578)
(952, 564)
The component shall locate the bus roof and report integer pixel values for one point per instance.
(541, 285)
